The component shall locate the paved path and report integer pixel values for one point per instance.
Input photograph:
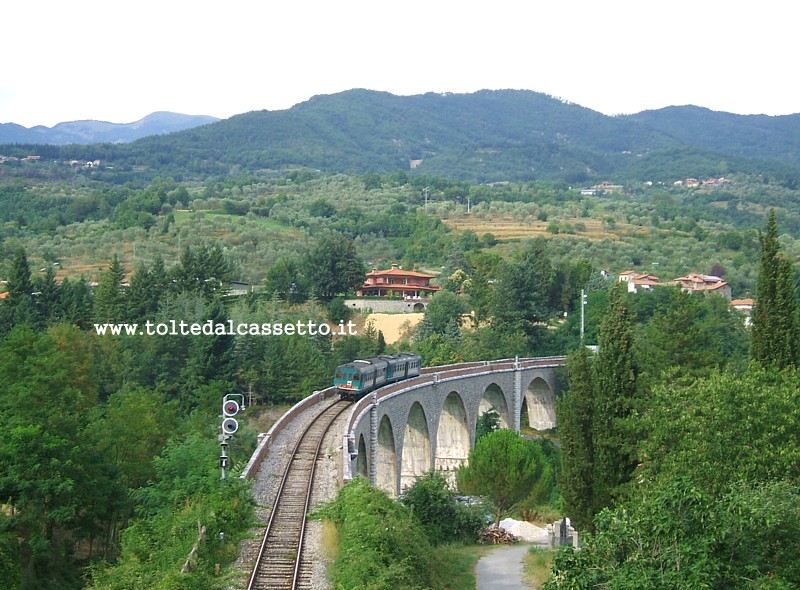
(502, 569)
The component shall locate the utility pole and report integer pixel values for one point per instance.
(583, 312)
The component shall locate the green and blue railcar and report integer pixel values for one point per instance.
(356, 379)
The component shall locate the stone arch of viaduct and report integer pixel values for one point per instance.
(401, 431)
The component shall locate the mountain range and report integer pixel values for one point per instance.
(490, 135)
(89, 131)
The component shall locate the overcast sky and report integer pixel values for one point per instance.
(120, 60)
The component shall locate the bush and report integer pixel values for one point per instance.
(381, 544)
(443, 518)
(337, 311)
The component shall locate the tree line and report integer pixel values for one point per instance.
(689, 481)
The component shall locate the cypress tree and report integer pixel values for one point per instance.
(614, 375)
(775, 319)
(574, 414)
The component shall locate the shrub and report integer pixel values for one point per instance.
(382, 546)
(444, 520)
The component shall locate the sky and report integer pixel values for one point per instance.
(119, 60)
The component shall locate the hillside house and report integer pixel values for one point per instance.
(637, 281)
(395, 281)
(696, 282)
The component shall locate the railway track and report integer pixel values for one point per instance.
(279, 563)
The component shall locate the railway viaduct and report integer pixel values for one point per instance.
(399, 432)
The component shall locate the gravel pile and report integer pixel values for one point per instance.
(524, 530)
(264, 487)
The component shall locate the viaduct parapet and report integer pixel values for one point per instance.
(401, 431)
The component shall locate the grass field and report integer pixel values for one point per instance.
(506, 227)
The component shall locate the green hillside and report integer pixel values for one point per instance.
(486, 136)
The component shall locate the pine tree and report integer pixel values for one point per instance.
(575, 413)
(76, 303)
(19, 308)
(614, 375)
(110, 301)
(48, 297)
(775, 317)
(19, 278)
(140, 296)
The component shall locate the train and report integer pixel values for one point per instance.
(354, 380)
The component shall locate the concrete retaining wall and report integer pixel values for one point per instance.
(387, 305)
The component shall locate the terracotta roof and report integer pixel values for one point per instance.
(3, 295)
(695, 277)
(396, 287)
(398, 272)
(742, 302)
(714, 287)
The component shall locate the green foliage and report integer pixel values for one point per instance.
(715, 503)
(502, 466)
(444, 314)
(332, 267)
(525, 285)
(487, 422)
(10, 557)
(285, 278)
(53, 476)
(688, 335)
(102, 394)
(337, 311)
(614, 378)
(188, 493)
(444, 520)
(381, 545)
(726, 427)
(110, 296)
(575, 418)
(776, 332)
(676, 536)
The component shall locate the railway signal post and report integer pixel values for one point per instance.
(231, 404)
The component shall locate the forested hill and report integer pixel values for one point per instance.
(753, 136)
(483, 136)
(90, 131)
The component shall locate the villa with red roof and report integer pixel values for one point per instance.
(407, 283)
